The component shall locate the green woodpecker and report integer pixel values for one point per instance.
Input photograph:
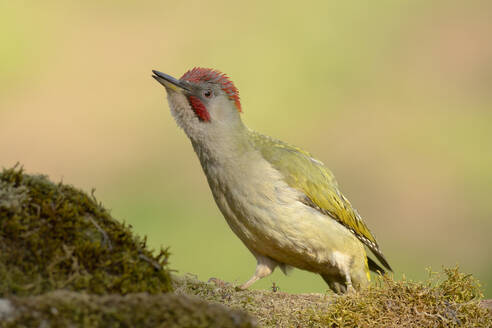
(282, 203)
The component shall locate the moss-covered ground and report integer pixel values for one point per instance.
(74, 309)
(447, 299)
(271, 309)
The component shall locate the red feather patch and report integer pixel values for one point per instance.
(199, 108)
(199, 74)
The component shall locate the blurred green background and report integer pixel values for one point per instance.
(394, 96)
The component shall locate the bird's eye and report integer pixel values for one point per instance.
(207, 93)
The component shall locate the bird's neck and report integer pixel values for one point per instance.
(223, 147)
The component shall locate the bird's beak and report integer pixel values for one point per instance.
(170, 82)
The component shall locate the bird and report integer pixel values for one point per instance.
(283, 204)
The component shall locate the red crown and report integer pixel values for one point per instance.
(199, 74)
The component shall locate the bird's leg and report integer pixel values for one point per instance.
(335, 282)
(348, 282)
(264, 267)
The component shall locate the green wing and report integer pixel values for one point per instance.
(310, 176)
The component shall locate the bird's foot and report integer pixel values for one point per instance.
(241, 288)
(351, 289)
(248, 283)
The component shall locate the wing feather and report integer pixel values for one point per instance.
(315, 180)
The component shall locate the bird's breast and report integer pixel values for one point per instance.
(267, 214)
(261, 209)
(251, 195)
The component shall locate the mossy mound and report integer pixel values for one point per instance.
(53, 236)
(451, 299)
(70, 309)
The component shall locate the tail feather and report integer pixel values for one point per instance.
(381, 258)
(374, 267)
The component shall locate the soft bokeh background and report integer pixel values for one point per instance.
(394, 96)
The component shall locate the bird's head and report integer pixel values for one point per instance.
(202, 101)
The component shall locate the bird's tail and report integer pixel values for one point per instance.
(374, 267)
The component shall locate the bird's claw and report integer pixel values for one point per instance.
(240, 288)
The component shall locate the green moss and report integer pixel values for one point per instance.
(70, 309)
(451, 299)
(271, 309)
(54, 236)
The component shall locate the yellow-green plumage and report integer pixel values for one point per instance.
(317, 182)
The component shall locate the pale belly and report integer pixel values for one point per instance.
(268, 217)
